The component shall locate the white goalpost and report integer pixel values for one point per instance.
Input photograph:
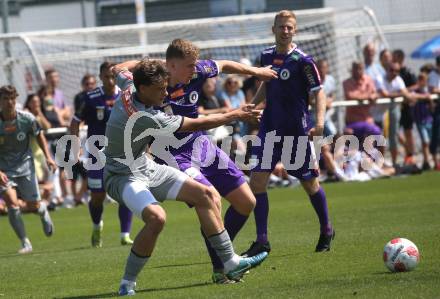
(335, 35)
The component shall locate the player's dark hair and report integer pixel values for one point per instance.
(148, 72)
(106, 65)
(86, 78)
(8, 91)
(180, 48)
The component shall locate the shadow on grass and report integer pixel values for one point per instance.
(113, 294)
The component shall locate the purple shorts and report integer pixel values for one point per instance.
(302, 165)
(210, 166)
(95, 180)
(362, 129)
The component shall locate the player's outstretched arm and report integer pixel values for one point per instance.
(245, 113)
(232, 67)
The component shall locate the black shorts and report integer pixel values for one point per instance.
(406, 118)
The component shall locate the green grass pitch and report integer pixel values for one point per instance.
(365, 215)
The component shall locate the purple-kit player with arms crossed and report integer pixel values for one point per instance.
(198, 156)
(286, 114)
(95, 110)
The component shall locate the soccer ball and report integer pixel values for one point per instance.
(400, 255)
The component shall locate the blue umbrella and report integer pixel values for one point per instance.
(429, 49)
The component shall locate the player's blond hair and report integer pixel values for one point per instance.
(181, 48)
(284, 14)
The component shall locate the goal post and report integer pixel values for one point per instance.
(334, 35)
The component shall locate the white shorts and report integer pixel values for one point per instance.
(137, 194)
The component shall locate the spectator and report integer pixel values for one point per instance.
(434, 87)
(329, 85)
(33, 105)
(50, 111)
(208, 102)
(392, 86)
(53, 81)
(88, 83)
(358, 118)
(234, 98)
(378, 111)
(423, 116)
(54, 116)
(372, 69)
(406, 119)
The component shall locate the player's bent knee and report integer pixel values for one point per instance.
(155, 217)
(311, 186)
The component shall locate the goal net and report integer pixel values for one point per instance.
(334, 35)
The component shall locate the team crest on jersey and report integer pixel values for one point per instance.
(284, 74)
(100, 112)
(193, 97)
(208, 69)
(21, 136)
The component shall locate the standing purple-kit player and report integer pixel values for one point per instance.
(286, 114)
(95, 111)
(187, 76)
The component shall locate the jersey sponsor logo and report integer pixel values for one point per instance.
(309, 74)
(177, 93)
(10, 128)
(285, 74)
(180, 101)
(278, 61)
(21, 136)
(100, 112)
(193, 97)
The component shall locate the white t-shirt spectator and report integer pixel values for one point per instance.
(376, 72)
(329, 85)
(434, 79)
(396, 85)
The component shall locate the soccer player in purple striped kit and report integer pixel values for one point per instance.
(187, 76)
(286, 114)
(95, 110)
